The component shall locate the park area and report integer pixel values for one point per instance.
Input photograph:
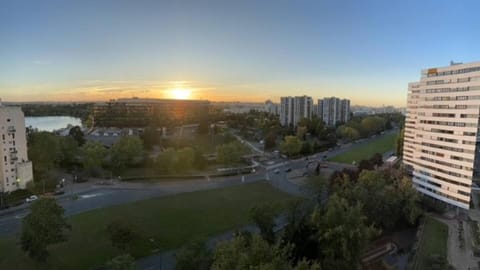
(170, 221)
(433, 242)
(365, 151)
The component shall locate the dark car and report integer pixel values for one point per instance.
(288, 170)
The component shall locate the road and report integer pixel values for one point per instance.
(94, 196)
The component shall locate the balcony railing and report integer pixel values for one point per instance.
(11, 129)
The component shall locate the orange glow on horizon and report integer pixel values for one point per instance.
(179, 93)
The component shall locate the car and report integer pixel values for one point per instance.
(31, 199)
(288, 170)
(277, 171)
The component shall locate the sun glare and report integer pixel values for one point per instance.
(180, 93)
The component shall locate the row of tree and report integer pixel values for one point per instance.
(324, 233)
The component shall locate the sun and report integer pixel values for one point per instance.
(180, 93)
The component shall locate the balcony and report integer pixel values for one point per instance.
(13, 156)
(11, 129)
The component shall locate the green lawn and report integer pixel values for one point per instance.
(366, 151)
(171, 221)
(433, 241)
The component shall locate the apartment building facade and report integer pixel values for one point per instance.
(441, 132)
(293, 109)
(333, 110)
(15, 169)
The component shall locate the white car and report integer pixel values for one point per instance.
(31, 199)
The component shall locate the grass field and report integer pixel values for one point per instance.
(434, 241)
(365, 151)
(171, 221)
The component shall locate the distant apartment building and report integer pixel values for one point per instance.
(141, 112)
(441, 132)
(333, 110)
(293, 109)
(271, 107)
(15, 169)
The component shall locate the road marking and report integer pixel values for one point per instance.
(87, 196)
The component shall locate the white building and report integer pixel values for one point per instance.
(293, 109)
(441, 132)
(333, 110)
(15, 169)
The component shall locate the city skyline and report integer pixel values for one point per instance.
(245, 51)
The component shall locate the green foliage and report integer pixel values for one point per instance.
(93, 155)
(42, 227)
(77, 134)
(372, 125)
(399, 143)
(348, 133)
(166, 161)
(291, 146)
(185, 159)
(250, 252)
(194, 255)
(270, 141)
(69, 150)
(122, 262)
(125, 152)
(45, 153)
(264, 217)
(231, 153)
(151, 137)
(121, 234)
(343, 232)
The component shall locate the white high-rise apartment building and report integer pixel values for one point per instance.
(441, 132)
(15, 169)
(333, 110)
(293, 109)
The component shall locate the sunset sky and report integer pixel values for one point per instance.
(367, 51)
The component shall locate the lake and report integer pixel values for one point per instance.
(51, 123)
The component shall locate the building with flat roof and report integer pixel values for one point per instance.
(15, 168)
(293, 109)
(141, 112)
(333, 110)
(441, 132)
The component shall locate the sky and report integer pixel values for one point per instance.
(366, 51)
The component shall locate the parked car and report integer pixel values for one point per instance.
(288, 170)
(277, 171)
(31, 199)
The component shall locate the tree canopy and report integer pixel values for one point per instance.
(45, 225)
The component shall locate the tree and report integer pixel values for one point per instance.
(124, 152)
(301, 132)
(45, 225)
(399, 144)
(93, 156)
(150, 137)
(199, 161)
(230, 153)
(348, 133)
(69, 151)
(306, 148)
(194, 255)
(343, 233)
(77, 134)
(291, 145)
(44, 152)
(264, 217)
(270, 141)
(185, 159)
(166, 161)
(121, 234)
(372, 125)
(252, 252)
(122, 262)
